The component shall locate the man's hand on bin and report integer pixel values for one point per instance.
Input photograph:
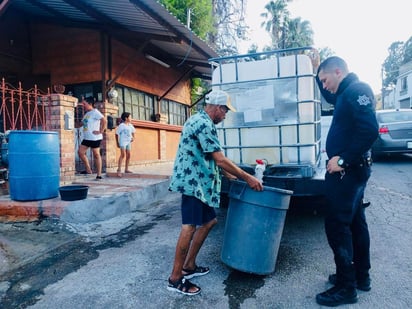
(229, 167)
(254, 183)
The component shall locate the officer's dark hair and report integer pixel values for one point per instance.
(331, 63)
(124, 115)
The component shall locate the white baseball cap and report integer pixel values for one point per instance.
(219, 97)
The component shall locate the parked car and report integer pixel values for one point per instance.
(395, 132)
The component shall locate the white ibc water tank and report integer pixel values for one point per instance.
(276, 110)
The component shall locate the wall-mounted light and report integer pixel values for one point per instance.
(158, 61)
(113, 94)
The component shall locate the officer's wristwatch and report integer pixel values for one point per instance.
(341, 162)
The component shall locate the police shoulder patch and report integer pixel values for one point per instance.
(364, 100)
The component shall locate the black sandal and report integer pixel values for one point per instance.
(183, 286)
(198, 271)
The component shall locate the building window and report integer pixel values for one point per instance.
(140, 105)
(176, 112)
(404, 85)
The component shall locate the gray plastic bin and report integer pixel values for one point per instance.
(254, 227)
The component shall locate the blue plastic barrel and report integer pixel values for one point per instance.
(34, 165)
(254, 226)
(4, 152)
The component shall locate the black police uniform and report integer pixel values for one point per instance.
(352, 132)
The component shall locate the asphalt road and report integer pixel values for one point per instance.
(125, 262)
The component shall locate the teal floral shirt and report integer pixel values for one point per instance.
(195, 173)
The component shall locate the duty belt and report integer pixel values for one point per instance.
(365, 161)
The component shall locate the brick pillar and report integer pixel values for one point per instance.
(108, 146)
(62, 108)
(163, 137)
(162, 144)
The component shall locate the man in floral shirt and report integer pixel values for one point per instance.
(196, 174)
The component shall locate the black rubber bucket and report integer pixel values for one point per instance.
(73, 192)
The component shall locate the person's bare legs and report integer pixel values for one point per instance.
(119, 163)
(126, 167)
(188, 246)
(182, 248)
(82, 155)
(98, 160)
(198, 239)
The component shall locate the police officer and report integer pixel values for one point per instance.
(352, 132)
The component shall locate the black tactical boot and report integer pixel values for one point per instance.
(337, 295)
(363, 284)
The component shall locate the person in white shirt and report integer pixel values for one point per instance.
(94, 125)
(124, 138)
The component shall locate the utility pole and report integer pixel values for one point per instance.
(189, 13)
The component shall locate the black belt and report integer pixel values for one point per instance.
(364, 162)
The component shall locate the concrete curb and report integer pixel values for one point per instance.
(106, 199)
(107, 207)
(110, 197)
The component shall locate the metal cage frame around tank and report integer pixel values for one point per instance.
(282, 169)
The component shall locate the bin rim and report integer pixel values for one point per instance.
(266, 188)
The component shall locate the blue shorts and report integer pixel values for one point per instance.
(195, 212)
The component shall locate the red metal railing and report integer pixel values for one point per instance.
(24, 109)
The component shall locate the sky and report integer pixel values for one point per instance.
(359, 31)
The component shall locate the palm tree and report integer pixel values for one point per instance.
(296, 33)
(275, 16)
(286, 32)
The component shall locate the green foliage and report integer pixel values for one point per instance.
(252, 49)
(286, 32)
(407, 51)
(399, 54)
(201, 19)
(199, 89)
(276, 15)
(325, 52)
(297, 33)
(201, 23)
(392, 64)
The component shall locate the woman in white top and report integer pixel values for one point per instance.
(124, 138)
(94, 125)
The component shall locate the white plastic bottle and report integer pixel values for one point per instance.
(260, 169)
